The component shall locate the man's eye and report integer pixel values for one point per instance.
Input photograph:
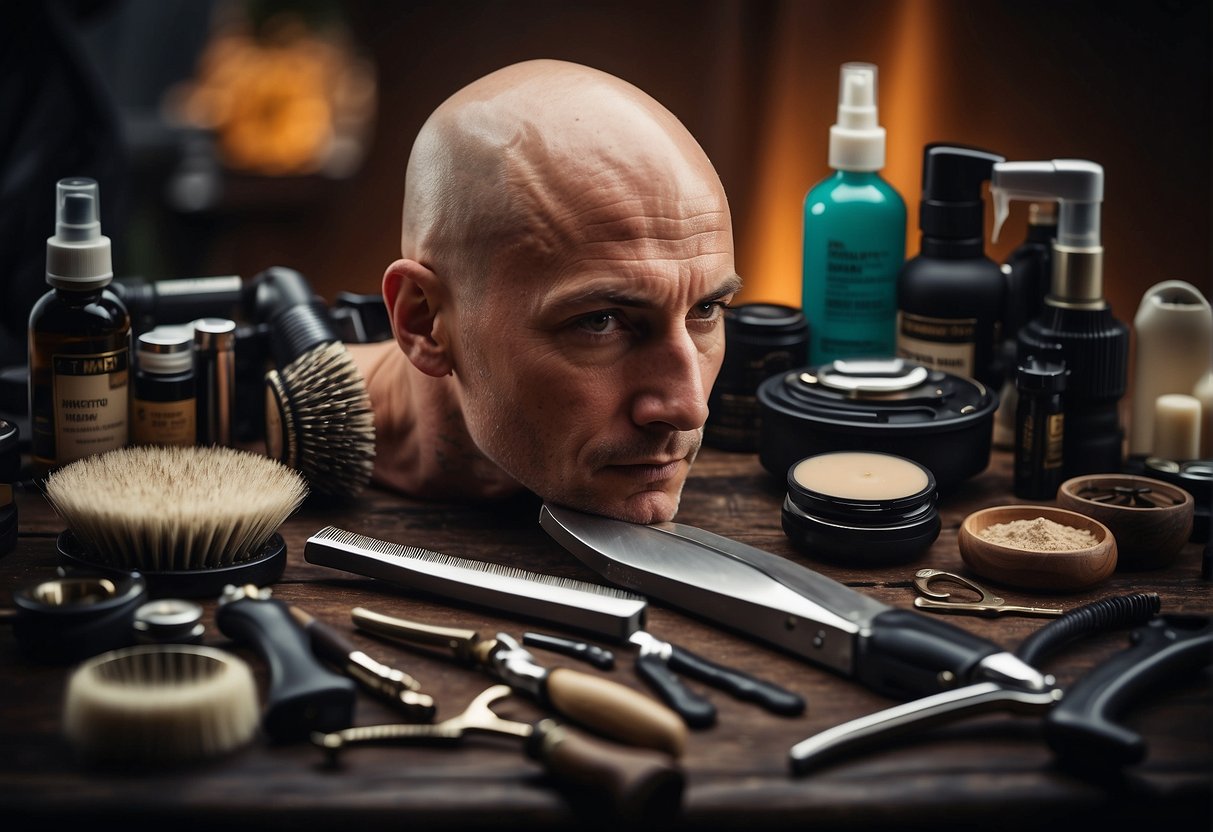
(599, 322)
(708, 311)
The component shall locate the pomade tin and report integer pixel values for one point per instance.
(860, 508)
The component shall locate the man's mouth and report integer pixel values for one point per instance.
(651, 470)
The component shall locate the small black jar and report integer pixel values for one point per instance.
(761, 340)
(861, 509)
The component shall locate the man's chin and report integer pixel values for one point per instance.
(643, 507)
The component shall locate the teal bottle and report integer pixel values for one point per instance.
(854, 235)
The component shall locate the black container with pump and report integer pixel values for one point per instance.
(950, 296)
(1075, 324)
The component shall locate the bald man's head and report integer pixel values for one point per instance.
(507, 167)
(567, 255)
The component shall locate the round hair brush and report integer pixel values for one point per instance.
(160, 704)
(318, 413)
(191, 519)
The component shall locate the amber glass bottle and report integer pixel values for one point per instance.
(79, 340)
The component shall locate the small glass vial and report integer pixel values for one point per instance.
(165, 401)
(215, 366)
(79, 340)
(1039, 429)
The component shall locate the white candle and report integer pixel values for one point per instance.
(857, 475)
(1176, 427)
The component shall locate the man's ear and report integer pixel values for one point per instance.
(414, 296)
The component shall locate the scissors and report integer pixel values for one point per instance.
(989, 603)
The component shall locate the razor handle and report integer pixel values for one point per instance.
(1082, 728)
(907, 655)
(303, 695)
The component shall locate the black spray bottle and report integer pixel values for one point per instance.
(1075, 326)
(949, 297)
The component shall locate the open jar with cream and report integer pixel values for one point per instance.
(860, 508)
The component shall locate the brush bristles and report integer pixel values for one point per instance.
(160, 703)
(327, 417)
(162, 509)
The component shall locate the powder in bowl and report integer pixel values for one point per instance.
(1040, 534)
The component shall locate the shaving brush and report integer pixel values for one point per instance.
(318, 413)
(190, 518)
(160, 704)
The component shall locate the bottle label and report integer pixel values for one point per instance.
(854, 314)
(947, 344)
(90, 403)
(164, 423)
(1055, 430)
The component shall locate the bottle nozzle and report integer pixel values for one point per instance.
(78, 256)
(857, 96)
(1075, 184)
(78, 210)
(857, 139)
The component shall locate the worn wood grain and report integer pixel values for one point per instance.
(994, 771)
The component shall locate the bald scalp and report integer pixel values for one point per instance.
(506, 170)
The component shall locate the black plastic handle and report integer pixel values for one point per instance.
(908, 655)
(599, 657)
(743, 686)
(695, 711)
(303, 696)
(1081, 729)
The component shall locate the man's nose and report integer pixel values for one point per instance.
(671, 384)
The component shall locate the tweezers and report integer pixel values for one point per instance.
(989, 603)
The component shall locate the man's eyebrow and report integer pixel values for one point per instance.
(731, 286)
(612, 296)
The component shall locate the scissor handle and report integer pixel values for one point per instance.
(694, 709)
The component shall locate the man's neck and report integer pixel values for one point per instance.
(422, 445)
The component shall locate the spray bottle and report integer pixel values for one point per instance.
(79, 339)
(854, 234)
(1076, 325)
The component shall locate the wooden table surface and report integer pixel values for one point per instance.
(994, 771)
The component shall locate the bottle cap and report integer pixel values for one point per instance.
(1036, 376)
(163, 351)
(78, 256)
(857, 140)
(952, 205)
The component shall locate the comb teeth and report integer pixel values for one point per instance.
(603, 610)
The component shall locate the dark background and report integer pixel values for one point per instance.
(1126, 84)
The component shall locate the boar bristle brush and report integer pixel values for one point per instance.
(317, 411)
(191, 519)
(158, 704)
(319, 420)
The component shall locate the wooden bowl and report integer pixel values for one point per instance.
(1062, 571)
(1146, 537)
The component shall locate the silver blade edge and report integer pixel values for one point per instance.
(694, 577)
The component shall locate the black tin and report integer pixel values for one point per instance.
(941, 421)
(861, 532)
(761, 340)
